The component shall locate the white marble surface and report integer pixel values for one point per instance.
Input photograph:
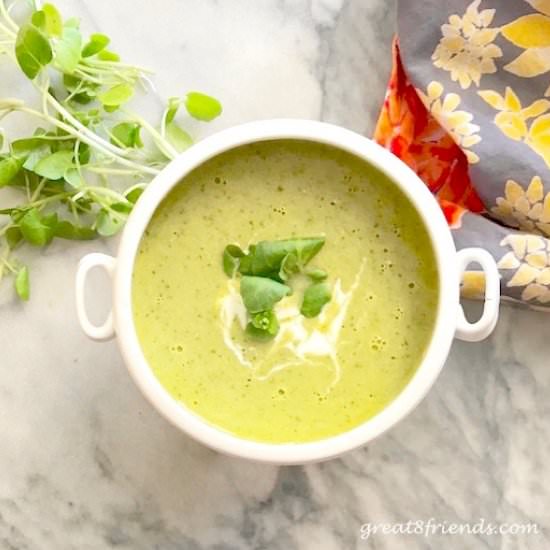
(85, 463)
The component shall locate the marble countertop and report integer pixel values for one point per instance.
(86, 463)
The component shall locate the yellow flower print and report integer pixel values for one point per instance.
(466, 48)
(532, 33)
(513, 120)
(457, 123)
(526, 209)
(530, 258)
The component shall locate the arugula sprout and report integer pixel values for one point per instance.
(315, 298)
(86, 135)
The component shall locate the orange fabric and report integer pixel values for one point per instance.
(409, 131)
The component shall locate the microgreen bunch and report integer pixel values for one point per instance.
(86, 136)
(266, 270)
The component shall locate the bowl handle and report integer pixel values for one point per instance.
(474, 332)
(107, 330)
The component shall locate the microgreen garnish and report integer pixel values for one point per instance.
(315, 297)
(265, 271)
(261, 294)
(268, 257)
(263, 325)
(87, 134)
(231, 258)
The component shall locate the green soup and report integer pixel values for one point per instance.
(321, 376)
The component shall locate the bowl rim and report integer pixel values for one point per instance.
(435, 354)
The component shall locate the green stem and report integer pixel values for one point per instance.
(163, 145)
(115, 214)
(8, 265)
(103, 191)
(38, 189)
(113, 171)
(74, 212)
(7, 17)
(78, 125)
(92, 143)
(115, 65)
(88, 73)
(88, 77)
(42, 202)
(54, 138)
(27, 186)
(76, 91)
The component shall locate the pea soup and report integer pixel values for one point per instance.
(336, 256)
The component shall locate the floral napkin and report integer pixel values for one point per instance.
(468, 108)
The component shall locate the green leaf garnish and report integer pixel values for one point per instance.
(315, 298)
(38, 19)
(127, 134)
(289, 266)
(97, 43)
(49, 20)
(106, 55)
(267, 257)
(54, 166)
(116, 96)
(22, 283)
(13, 237)
(53, 22)
(263, 325)
(261, 294)
(32, 50)
(72, 22)
(178, 137)
(265, 269)
(67, 230)
(83, 92)
(107, 224)
(133, 195)
(67, 50)
(231, 258)
(36, 229)
(202, 106)
(74, 178)
(22, 148)
(9, 168)
(172, 109)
